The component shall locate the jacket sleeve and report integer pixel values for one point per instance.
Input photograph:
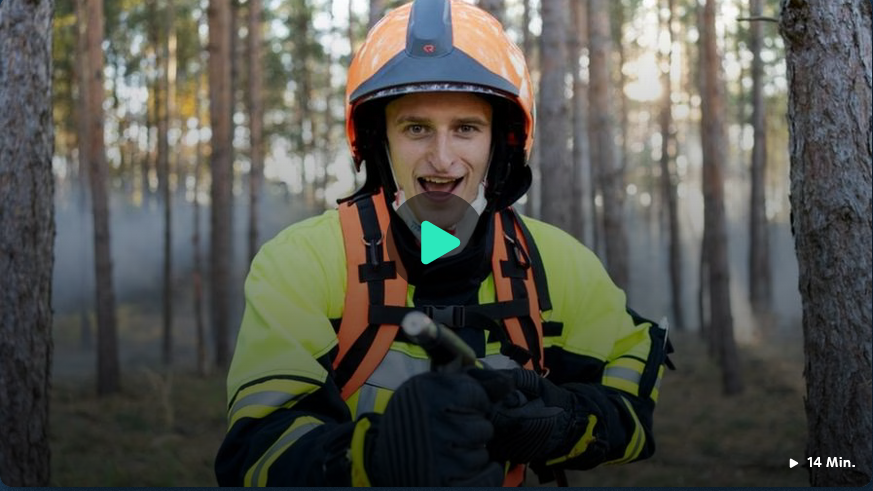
(287, 424)
(610, 359)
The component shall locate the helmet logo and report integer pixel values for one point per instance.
(429, 48)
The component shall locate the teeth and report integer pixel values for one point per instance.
(438, 180)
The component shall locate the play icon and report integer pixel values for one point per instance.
(791, 463)
(435, 242)
(428, 218)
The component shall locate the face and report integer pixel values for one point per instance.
(439, 143)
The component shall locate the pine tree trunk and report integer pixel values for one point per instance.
(377, 10)
(165, 113)
(577, 38)
(760, 283)
(828, 55)
(528, 46)
(703, 312)
(614, 239)
(669, 179)
(27, 240)
(712, 132)
(497, 8)
(108, 369)
(552, 117)
(200, 328)
(256, 123)
(86, 266)
(220, 98)
(617, 15)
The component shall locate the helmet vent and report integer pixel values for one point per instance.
(429, 32)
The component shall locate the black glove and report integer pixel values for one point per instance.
(537, 422)
(434, 432)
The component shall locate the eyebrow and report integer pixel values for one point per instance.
(412, 119)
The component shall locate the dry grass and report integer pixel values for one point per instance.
(165, 432)
(156, 433)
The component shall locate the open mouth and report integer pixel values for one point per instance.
(439, 184)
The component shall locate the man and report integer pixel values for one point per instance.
(323, 390)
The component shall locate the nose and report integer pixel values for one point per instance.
(442, 153)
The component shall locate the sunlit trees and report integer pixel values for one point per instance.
(715, 227)
(760, 280)
(668, 174)
(610, 179)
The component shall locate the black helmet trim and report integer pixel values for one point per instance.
(402, 90)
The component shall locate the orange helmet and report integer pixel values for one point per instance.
(443, 45)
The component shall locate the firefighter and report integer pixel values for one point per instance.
(324, 390)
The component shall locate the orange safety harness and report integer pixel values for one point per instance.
(375, 299)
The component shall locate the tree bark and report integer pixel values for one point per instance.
(669, 177)
(712, 133)
(27, 241)
(760, 282)
(553, 118)
(256, 123)
(828, 56)
(577, 38)
(220, 106)
(615, 250)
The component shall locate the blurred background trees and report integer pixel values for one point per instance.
(186, 129)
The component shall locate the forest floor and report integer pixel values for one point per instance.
(164, 430)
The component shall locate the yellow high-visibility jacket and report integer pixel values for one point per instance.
(288, 424)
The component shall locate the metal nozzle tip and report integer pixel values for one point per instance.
(415, 324)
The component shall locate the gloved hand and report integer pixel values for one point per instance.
(434, 432)
(536, 422)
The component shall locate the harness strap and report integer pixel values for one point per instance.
(523, 331)
(363, 345)
(539, 269)
(453, 315)
(368, 327)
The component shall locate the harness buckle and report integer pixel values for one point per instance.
(449, 315)
(372, 249)
(521, 257)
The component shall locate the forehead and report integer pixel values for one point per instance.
(432, 104)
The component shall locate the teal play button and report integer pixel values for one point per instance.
(428, 216)
(435, 242)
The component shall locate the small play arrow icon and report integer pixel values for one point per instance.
(791, 463)
(435, 242)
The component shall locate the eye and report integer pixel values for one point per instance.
(467, 128)
(415, 129)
